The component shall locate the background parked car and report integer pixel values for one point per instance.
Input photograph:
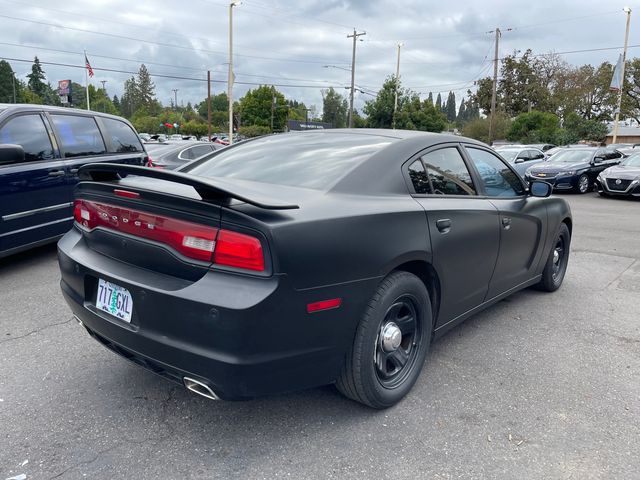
(622, 179)
(522, 157)
(41, 150)
(542, 146)
(574, 168)
(174, 155)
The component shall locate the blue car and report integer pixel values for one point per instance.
(41, 150)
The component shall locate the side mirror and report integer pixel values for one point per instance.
(519, 160)
(10, 153)
(540, 189)
(598, 159)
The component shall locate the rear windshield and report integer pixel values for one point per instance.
(300, 160)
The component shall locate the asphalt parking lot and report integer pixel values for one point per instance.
(538, 386)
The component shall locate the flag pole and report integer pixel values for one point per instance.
(627, 10)
(86, 79)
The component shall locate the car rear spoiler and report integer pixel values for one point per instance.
(208, 189)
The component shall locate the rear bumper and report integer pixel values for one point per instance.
(242, 336)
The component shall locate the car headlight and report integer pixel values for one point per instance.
(601, 177)
(567, 172)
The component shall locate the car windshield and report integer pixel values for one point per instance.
(509, 155)
(632, 161)
(306, 160)
(573, 156)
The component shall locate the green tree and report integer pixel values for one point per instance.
(146, 88)
(430, 98)
(439, 102)
(479, 128)
(578, 128)
(7, 83)
(255, 108)
(450, 110)
(534, 127)
(251, 131)
(37, 79)
(417, 115)
(379, 111)
(334, 108)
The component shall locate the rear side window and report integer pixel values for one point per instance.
(448, 173)
(195, 152)
(29, 132)
(498, 179)
(535, 155)
(419, 177)
(79, 135)
(123, 138)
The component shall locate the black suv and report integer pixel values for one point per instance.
(41, 150)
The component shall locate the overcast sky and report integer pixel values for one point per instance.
(446, 45)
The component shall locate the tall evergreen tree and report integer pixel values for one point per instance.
(145, 87)
(7, 83)
(116, 103)
(36, 79)
(462, 112)
(430, 99)
(334, 108)
(439, 102)
(450, 110)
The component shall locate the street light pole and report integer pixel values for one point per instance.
(627, 10)
(353, 73)
(495, 86)
(395, 100)
(231, 77)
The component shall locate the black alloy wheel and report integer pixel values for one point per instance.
(557, 262)
(390, 344)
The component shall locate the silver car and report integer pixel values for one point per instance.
(522, 157)
(621, 179)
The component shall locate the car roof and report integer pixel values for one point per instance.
(8, 108)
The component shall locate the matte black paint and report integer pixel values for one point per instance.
(248, 335)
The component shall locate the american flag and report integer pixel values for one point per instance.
(88, 65)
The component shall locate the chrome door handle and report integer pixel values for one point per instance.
(56, 173)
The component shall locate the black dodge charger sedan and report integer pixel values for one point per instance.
(304, 259)
(574, 168)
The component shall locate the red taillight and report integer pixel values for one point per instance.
(149, 161)
(324, 305)
(200, 242)
(238, 250)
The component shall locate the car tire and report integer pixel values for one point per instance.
(557, 261)
(583, 183)
(374, 373)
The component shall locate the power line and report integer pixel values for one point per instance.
(175, 77)
(168, 45)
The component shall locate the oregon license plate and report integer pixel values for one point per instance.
(115, 300)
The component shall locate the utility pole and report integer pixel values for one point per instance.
(175, 94)
(495, 86)
(231, 77)
(209, 104)
(395, 100)
(627, 10)
(353, 73)
(13, 81)
(273, 106)
(104, 90)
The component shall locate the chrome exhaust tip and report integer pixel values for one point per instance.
(196, 386)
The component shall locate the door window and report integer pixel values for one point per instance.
(447, 172)
(536, 155)
(79, 135)
(498, 179)
(123, 138)
(29, 132)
